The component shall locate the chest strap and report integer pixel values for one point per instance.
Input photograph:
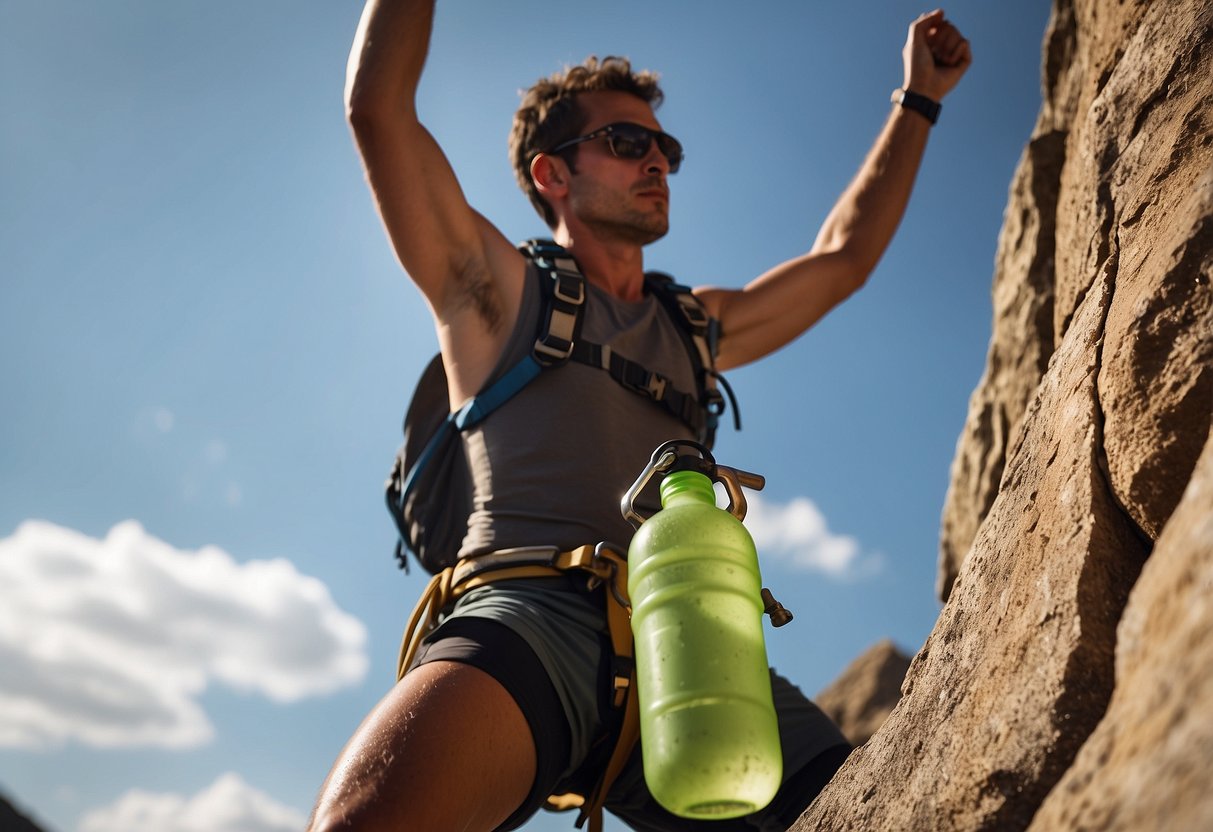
(639, 379)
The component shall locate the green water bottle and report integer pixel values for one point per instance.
(707, 721)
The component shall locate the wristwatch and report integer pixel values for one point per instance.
(918, 103)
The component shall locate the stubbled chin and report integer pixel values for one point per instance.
(652, 229)
(657, 225)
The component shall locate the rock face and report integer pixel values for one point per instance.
(1082, 438)
(1147, 764)
(861, 699)
(12, 820)
(1117, 178)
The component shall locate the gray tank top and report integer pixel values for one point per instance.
(550, 465)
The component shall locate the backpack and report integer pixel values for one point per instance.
(429, 490)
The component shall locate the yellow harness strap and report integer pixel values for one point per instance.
(607, 568)
(448, 585)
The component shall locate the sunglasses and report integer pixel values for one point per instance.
(631, 141)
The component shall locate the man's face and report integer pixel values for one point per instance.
(618, 198)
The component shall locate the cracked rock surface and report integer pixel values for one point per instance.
(1058, 689)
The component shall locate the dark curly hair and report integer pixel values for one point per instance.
(549, 115)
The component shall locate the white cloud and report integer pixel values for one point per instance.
(110, 642)
(796, 534)
(229, 804)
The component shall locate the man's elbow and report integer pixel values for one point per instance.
(859, 277)
(847, 264)
(370, 103)
(379, 123)
(363, 109)
(853, 272)
(362, 121)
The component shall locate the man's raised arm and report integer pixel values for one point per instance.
(781, 304)
(449, 250)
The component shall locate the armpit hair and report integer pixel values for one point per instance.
(474, 288)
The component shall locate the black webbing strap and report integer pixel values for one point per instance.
(563, 293)
(701, 334)
(639, 379)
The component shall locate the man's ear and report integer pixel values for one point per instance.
(550, 175)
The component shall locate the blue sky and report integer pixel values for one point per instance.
(206, 348)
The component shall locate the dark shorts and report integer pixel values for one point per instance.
(557, 674)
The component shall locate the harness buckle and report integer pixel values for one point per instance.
(695, 314)
(568, 285)
(622, 670)
(555, 341)
(557, 353)
(656, 387)
(641, 381)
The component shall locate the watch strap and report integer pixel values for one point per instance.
(918, 103)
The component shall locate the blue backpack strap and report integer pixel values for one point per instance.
(471, 414)
(496, 394)
(560, 322)
(431, 458)
(563, 301)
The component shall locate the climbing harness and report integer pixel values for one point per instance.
(604, 567)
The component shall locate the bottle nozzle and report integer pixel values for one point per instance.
(780, 614)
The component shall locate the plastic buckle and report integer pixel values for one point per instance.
(621, 677)
(656, 387)
(568, 286)
(652, 385)
(695, 314)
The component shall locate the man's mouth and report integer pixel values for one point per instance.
(656, 193)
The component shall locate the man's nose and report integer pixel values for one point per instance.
(656, 162)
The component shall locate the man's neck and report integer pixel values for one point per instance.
(616, 267)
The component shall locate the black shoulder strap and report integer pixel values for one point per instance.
(701, 335)
(688, 311)
(563, 292)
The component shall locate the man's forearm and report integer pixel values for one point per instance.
(861, 225)
(785, 301)
(867, 214)
(387, 57)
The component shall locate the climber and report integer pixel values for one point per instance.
(502, 706)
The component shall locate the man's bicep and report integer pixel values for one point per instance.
(435, 233)
(716, 302)
(778, 306)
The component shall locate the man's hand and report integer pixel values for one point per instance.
(935, 56)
